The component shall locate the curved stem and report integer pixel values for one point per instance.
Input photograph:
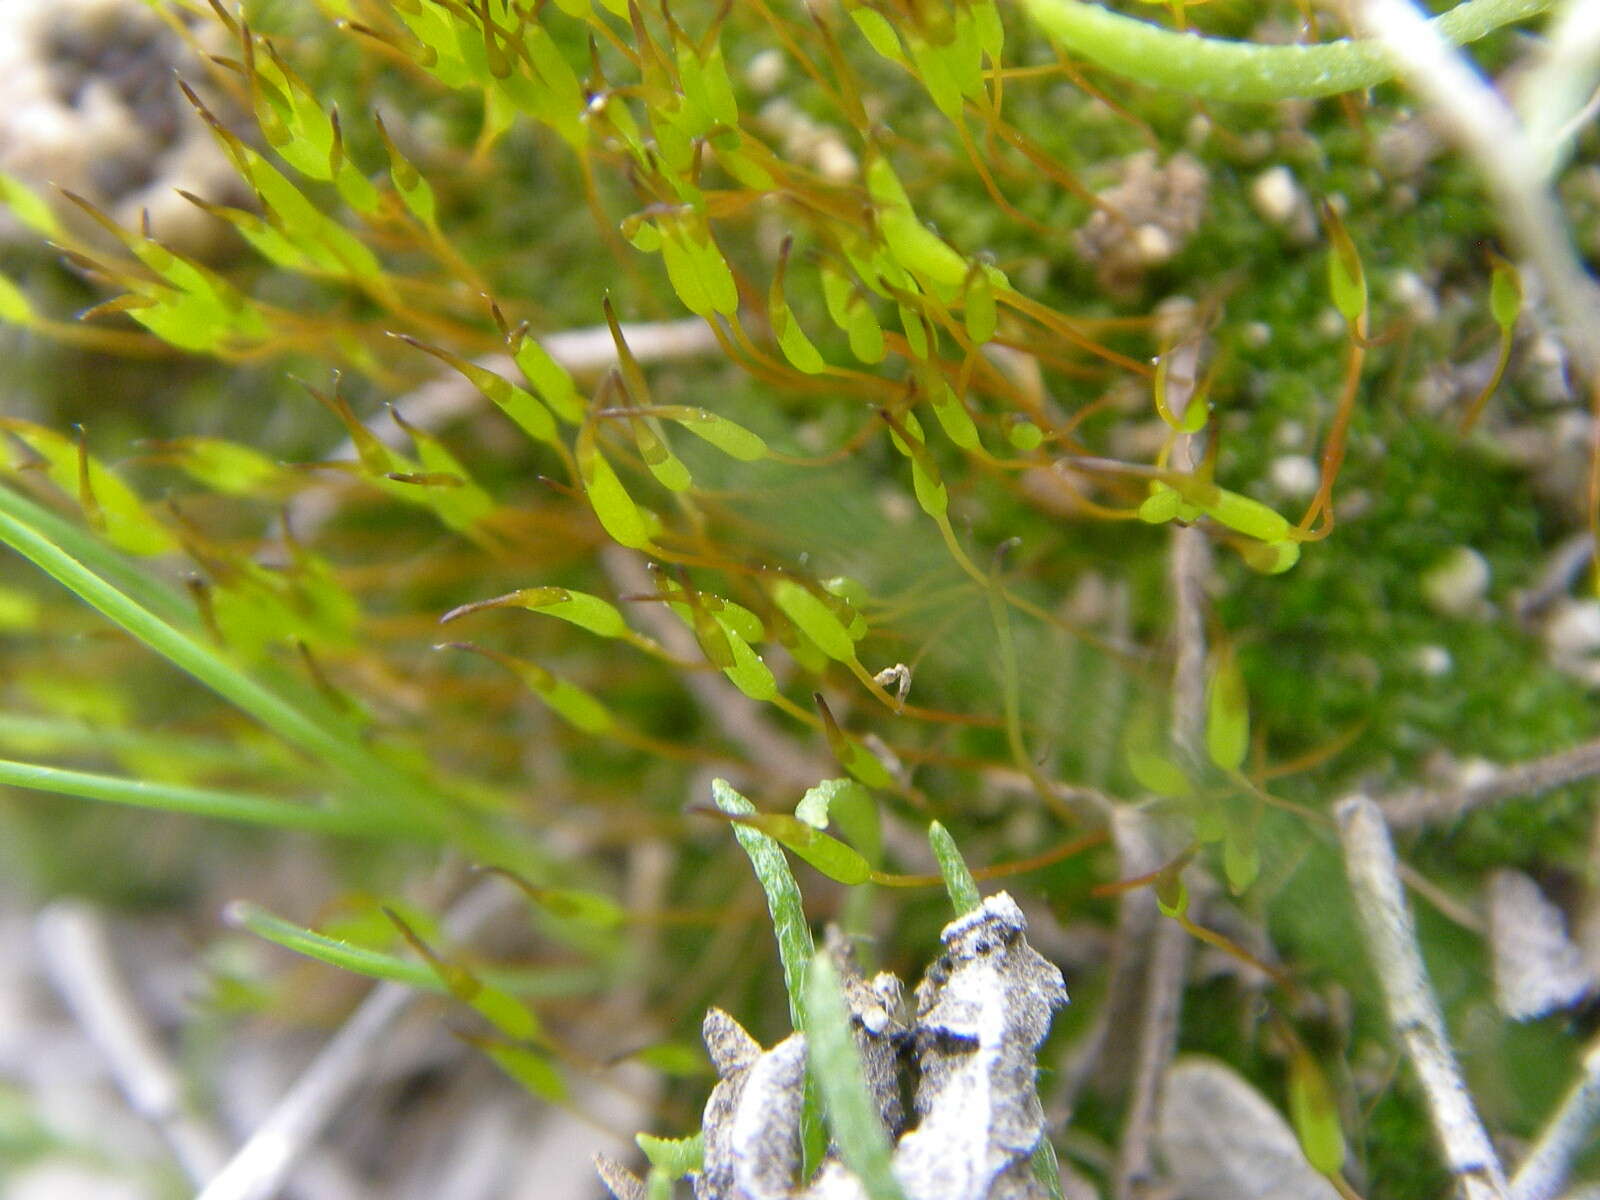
(1218, 69)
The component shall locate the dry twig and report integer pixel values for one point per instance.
(1169, 957)
(1544, 1171)
(264, 1162)
(74, 945)
(1391, 938)
(1422, 806)
(1514, 167)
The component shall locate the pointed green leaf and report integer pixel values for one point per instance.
(747, 670)
(815, 619)
(29, 207)
(981, 316)
(532, 417)
(548, 377)
(951, 414)
(414, 189)
(1241, 859)
(582, 609)
(618, 514)
(731, 438)
(851, 809)
(1172, 893)
(697, 270)
(1250, 517)
(1227, 712)
(14, 305)
(577, 707)
(827, 854)
(224, 466)
(659, 459)
(879, 33)
(567, 700)
(914, 246)
(1314, 1112)
(1347, 282)
(958, 880)
(529, 1067)
(934, 68)
(795, 946)
(792, 340)
(1144, 751)
(1505, 294)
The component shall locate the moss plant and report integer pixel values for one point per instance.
(845, 501)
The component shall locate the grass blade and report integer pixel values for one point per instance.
(336, 953)
(375, 964)
(291, 721)
(852, 1117)
(795, 947)
(202, 802)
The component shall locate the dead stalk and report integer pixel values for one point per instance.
(1391, 939)
(265, 1161)
(1425, 806)
(75, 946)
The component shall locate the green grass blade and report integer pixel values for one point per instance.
(795, 947)
(202, 802)
(156, 617)
(336, 953)
(375, 964)
(852, 1117)
(964, 897)
(26, 733)
(290, 721)
(87, 549)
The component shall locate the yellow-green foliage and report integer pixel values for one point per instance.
(826, 509)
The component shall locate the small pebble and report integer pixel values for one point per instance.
(1275, 194)
(1154, 243)
(765, 71)
(1433, 661)
(1419, 299)
(1294, 475)
(1457, 584)
(1573, 629)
